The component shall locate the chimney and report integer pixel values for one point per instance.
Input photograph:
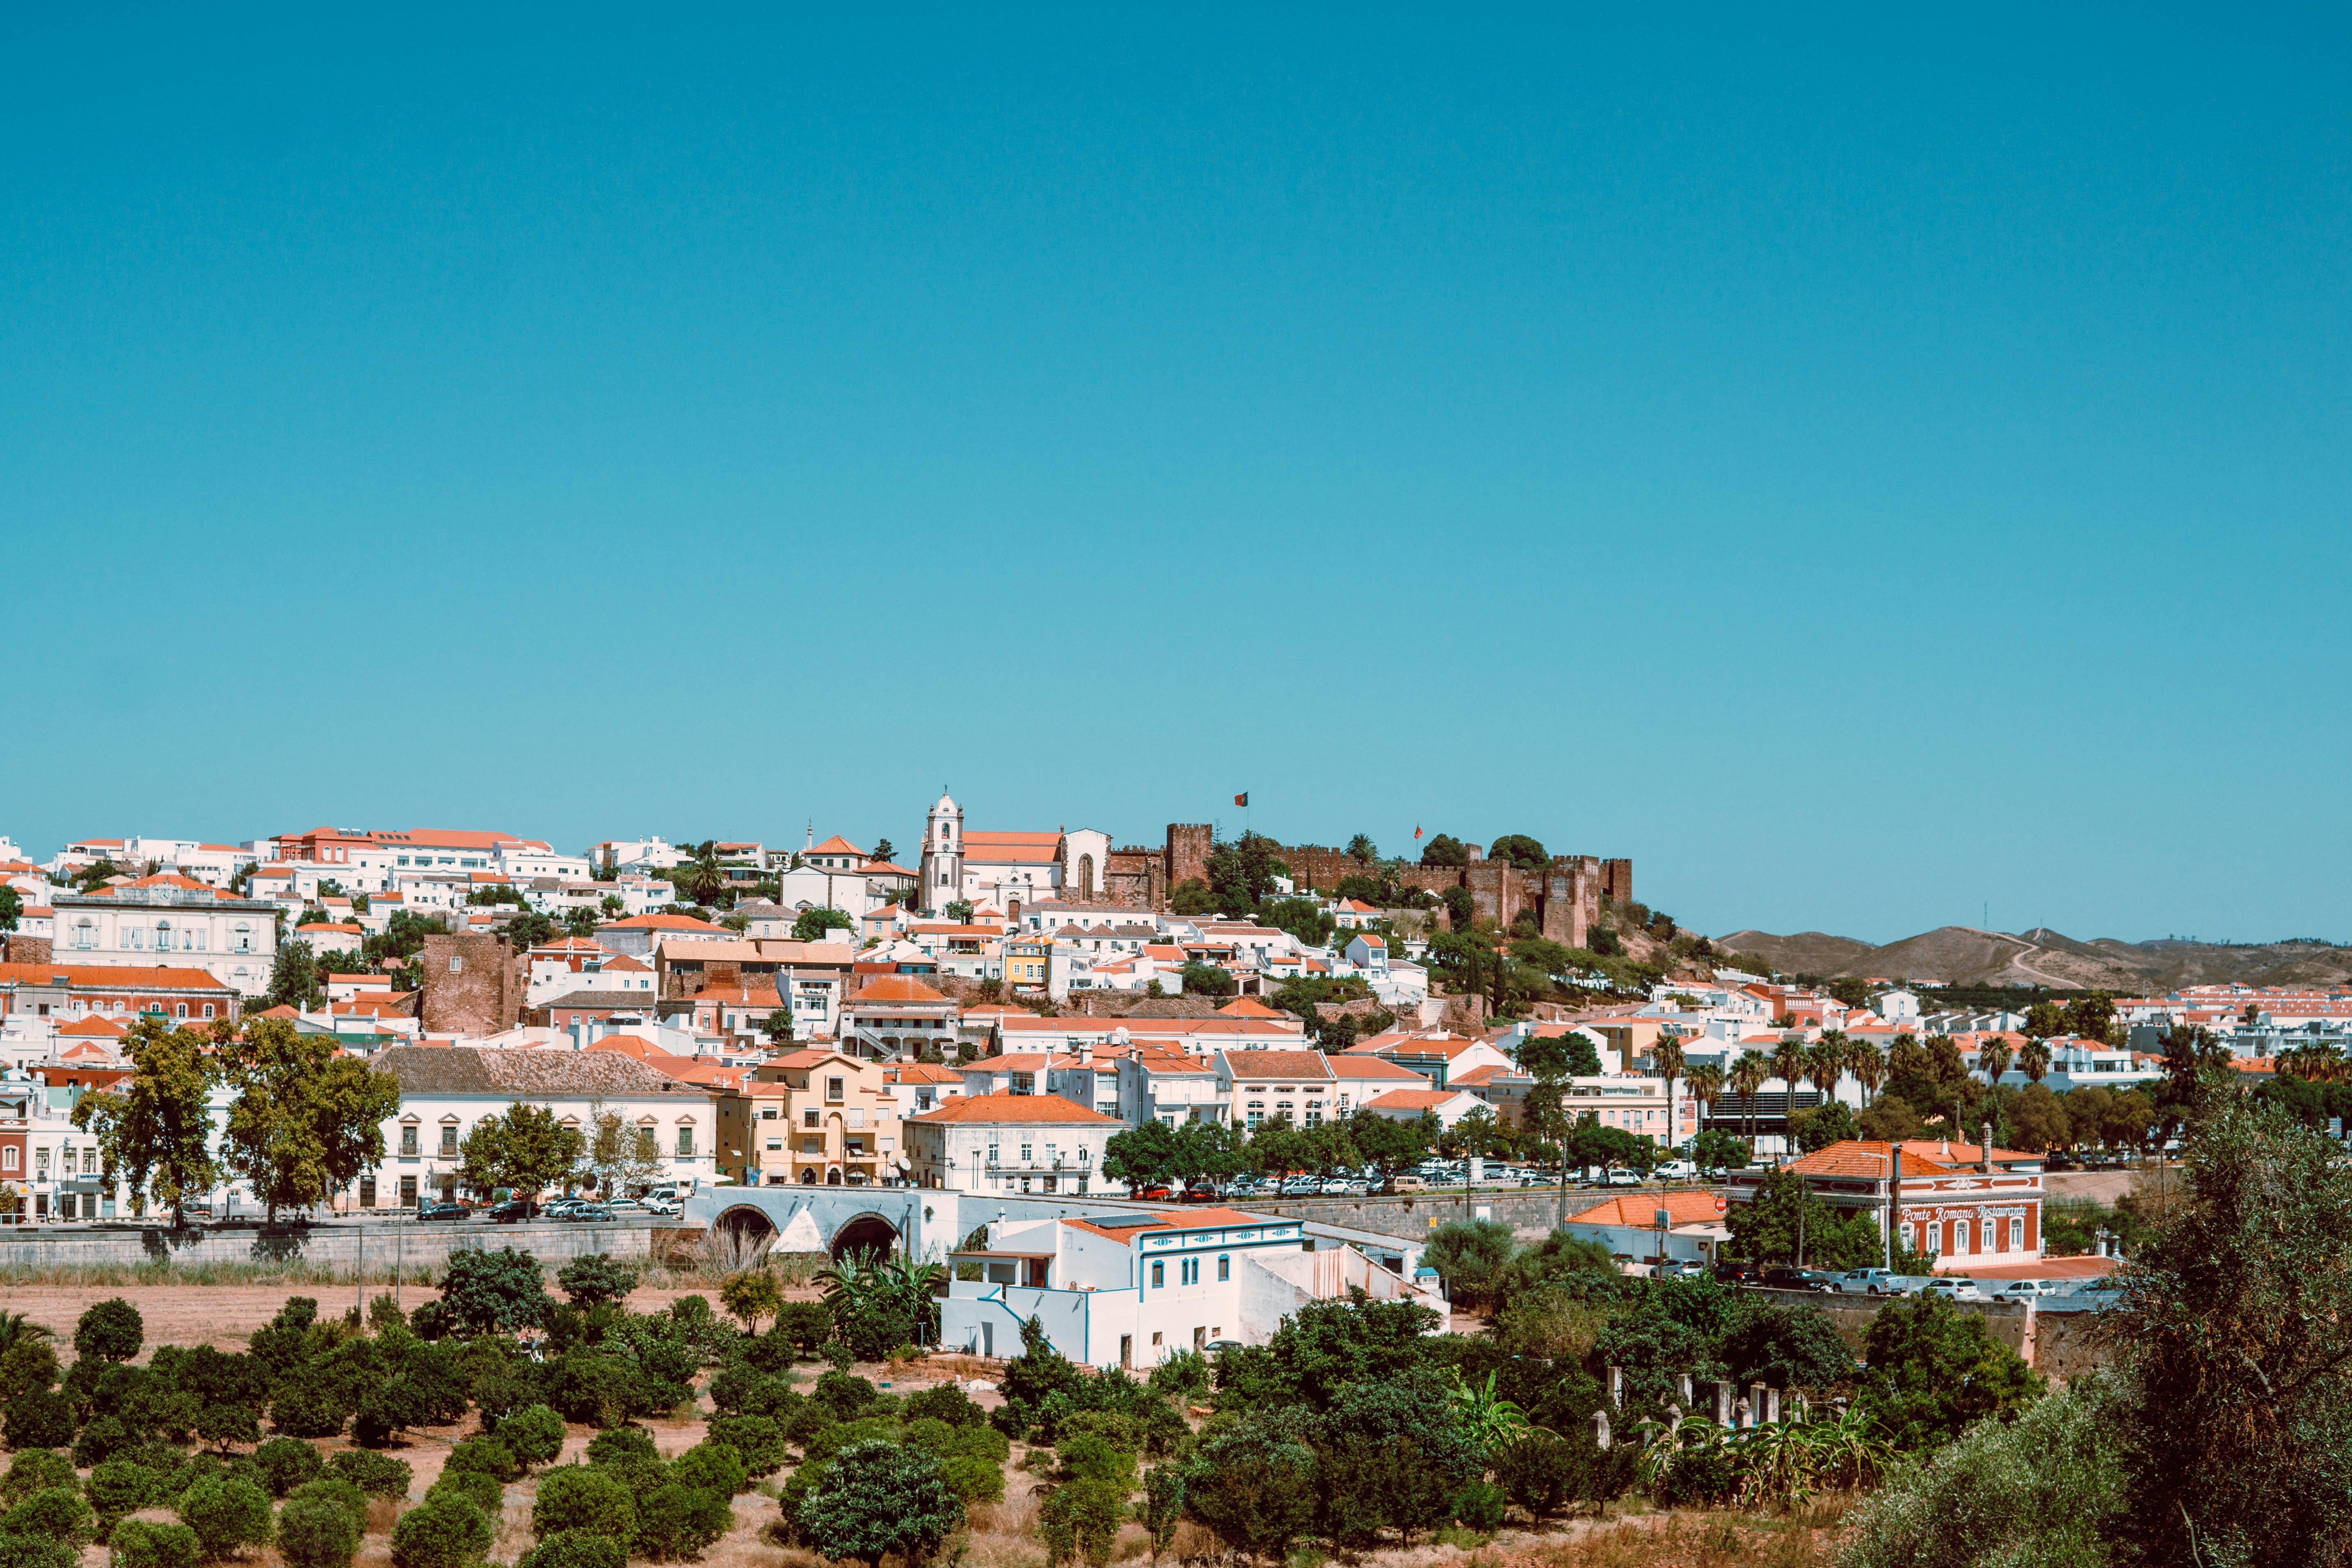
(1984, 1145)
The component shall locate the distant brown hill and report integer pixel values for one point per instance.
(1964, 955)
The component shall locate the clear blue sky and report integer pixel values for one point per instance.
(1861, 467)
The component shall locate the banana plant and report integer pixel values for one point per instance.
(1490, 1421)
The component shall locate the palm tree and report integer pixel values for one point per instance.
(700, 877)
(1868, 1065)
(14, 1328)
(1993, 1057)
(1747, 1076)
(1825, 1064)
(1361, 849)
(1705, 1082)
(1667, 1056)
(2033, 1059)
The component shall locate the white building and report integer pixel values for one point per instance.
(1038, 1144)
(173, 920)
(1131, 1289)
(446, 1090)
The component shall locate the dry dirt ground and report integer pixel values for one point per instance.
(224, 1316)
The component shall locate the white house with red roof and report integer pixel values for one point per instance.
(1002, 1142)
(1448, 1105)
(1963, 1208)
(170, 920)
(1259, 1087)
(1436, 1054)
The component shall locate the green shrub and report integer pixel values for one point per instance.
(596, 1278)
(32, 1470)
(574, 1496)
(803, 1425)
(378, 1475)
(39, 1418)
(135, 1544)
(317, 1532)
(1090, 1457)
(119, 1486)
(534, 1435)
(37, 1552)
(844, 1394)
(757, 1440)
(576, 1549)
(287, 1463)
(594, 1390)
(444, 1532)
(948, 1402)
(1533, 1472)
(222, 1425)
(482, 1491)
(876, 1498)
(1480, 1506)
(227, 1513)
(335, 1489)
(101, 1440)
(1696, 1477)
(2047, 1488)
(492, 1292)
(1081, 1520)
(308, 1405)
(842, 1434)
(56, 1514)
(676, 1522)
(805, 1325)
(621, 1443)
(489, 1456)
(712, 1466)
(111, 1330)
(973, 1478)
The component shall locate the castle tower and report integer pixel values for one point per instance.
(942, 865)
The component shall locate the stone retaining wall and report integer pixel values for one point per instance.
(337, 1247)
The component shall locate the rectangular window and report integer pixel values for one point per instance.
(367, 1192)
(832, 1089)
(1224, 1268)
(448, 1141)
(686, 1142)
(408, 1141)
(456, 964)
(647, 1148)
(407, 1192)
(1028, 1153)
(996, 1154)
(2017, 1235)
(1159, 1275)
(808, 1118)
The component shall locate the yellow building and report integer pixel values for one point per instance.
(819, 1119)
(1026, 958)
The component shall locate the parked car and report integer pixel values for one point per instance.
(1797, 1280)
(1737, 1271)
(1157, 1191)
(442, 1211)
(1302, 1187)
(1682, 1268)
(1870, 1282)
(1676, 1170)
(1622, 1178)
(1953, 1290)
(1408, 1184)
(1339, 1187)
(663, 1206)
(592, 1214)
(620, 1206)
(513, 1211)
(2025, 1291)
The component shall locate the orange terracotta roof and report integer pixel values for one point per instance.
(836, 845)
(1412, 1099)
(1641, 1212)
(664, 922)
(1376, 1069)
(110, 977)
(1866, 1158)
(1277, 1064)
(895, 990)
(1250, 1007)
(1018, 1108)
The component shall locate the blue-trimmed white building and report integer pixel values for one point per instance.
(1132, 1287)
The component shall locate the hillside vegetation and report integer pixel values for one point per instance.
(1965, 955)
